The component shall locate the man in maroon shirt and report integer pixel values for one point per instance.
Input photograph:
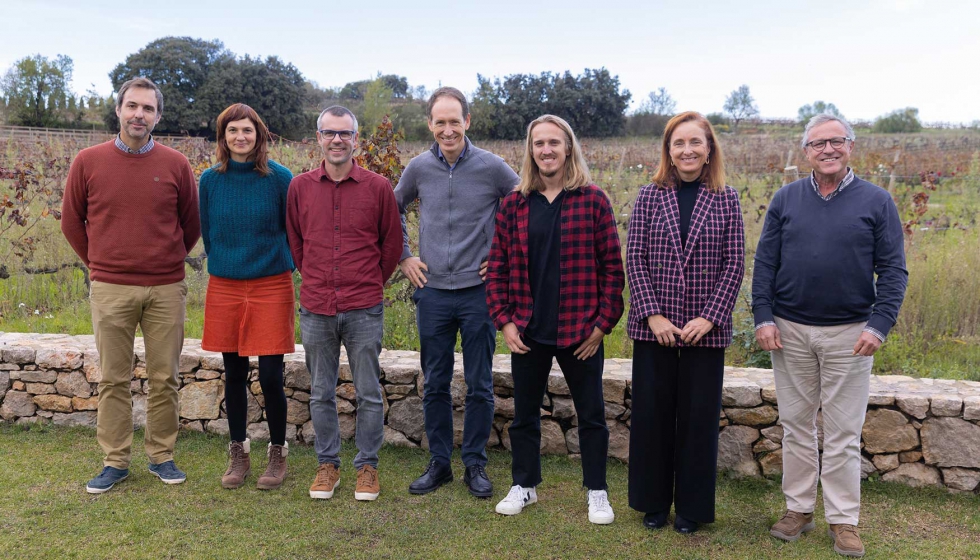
(130, 212)
(345, 236)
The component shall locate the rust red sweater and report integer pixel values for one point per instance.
(131, 218)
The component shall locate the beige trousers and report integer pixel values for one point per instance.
(159, 312)
(816, 369)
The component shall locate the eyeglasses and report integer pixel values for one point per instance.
(835, 143)
(345, 135)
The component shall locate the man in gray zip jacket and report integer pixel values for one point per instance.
(459, 187)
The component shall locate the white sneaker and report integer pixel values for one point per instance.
(516, 499)
(600, 512)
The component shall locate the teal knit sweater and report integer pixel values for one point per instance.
(243, 221)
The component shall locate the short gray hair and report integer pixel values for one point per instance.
(821, 118)
(337, 111)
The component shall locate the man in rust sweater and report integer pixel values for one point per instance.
(130, 211)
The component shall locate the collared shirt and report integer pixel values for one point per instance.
(122, 146)
(453, 164)
(844, 182)
(345, 238)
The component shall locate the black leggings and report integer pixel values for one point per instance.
(236, 399)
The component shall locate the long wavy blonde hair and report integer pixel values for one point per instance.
(576, 169)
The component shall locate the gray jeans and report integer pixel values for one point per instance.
(360, 332)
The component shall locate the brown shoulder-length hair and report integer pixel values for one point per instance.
(712, 174)
(260, 153)
(576, 169)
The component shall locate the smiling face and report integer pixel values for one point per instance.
(550, 149)
(337, 152)
(240, 136)
(829, 162)
(689, 150)
(449, 125)
(137, 116)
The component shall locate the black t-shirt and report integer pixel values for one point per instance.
(687, 195)
(543, 268)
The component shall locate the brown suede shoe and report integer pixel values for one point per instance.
(239, 464)
(368, 487)
(847, 541)
(327, 479)
(792, 525)
(275, 471)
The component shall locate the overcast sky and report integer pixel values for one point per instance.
(866, 57)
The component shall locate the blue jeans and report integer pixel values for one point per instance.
(441, 314)
(360, 332)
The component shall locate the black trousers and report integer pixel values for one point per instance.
(584, 379)
(674, 429)
(236, 400)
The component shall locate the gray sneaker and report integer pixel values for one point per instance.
(106, 480)
(168, 472)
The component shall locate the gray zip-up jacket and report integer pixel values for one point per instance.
(457, 210)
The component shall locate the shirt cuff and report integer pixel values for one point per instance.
(873, 331)
(765, 324)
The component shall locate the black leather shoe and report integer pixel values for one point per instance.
(478, 482)
(685, 526)
(434, 476)
(655, 520)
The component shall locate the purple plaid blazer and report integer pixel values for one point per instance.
(701, 280)
(591, 276)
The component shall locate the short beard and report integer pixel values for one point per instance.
(549, 174)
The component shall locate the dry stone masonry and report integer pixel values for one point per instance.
(919, 432)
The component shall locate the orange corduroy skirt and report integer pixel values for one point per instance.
(250, 317)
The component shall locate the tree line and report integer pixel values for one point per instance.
(199, 78)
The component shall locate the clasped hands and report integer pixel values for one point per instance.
(667, 333)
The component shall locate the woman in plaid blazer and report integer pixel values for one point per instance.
(685, 259)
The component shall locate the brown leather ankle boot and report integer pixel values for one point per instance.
(275, 472)
(239, 464)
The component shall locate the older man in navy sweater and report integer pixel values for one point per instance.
(823, 314)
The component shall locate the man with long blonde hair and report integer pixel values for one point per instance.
(555, 289)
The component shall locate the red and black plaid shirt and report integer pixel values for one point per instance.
(591, 277)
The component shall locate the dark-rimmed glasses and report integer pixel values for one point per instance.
(345, 135)
(835, 143)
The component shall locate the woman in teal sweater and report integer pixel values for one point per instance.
(250, 304)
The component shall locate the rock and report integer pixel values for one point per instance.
(867, 467)
(31, 420)
(913, 405)
(614, 387)
(38, 376)
(741, 393)
(458, 428)
(951, 442)
(219, 426)
(765, 445)
(4, 383)
(207, 374)
(201, 400)
(772, 463)
(193, 426)
(759, 416)
(614, 410)
(91, 403)
(212, 361)
(91, 369)
(503, 406)
(557, 384)
(297, 412)
(188, 362)
(254, 411)
(345, 407)
(503, 378)
(881, 399)
(308, 433)
(297, 376)
(946, 405)
(961, 480)
(402, 372)
(87, 419)
(348, 426)
(571, 441)
(773, 433)
(139, 372)
(139, 411)
(619, 441)
(494, 439)
(457, 389)
(735, 450)
(397, 439)
(17, 404)
(971, 408)
(73, 384)
(406, 417)
(17, 355)
(398, 389)
(562, 407)
(18, 386)
(888, 431)
(135, 386)
(915, 475)
(55, 403)
(909, 456)
(769, 394)
(301, 396)
(40, 388)
(885, 463)
(347, 391)
(58, 358)
(258, 431)
(552, 439)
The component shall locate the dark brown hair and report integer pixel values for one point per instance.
(713, 173)
(260, 153)
(447, 92)
(144, 83)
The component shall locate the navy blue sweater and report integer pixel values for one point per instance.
(817, 259)
(243, 221)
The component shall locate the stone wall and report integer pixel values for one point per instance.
(920, 432)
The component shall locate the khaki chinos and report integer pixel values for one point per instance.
(817, 369)
(159, 312)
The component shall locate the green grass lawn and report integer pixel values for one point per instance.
(45, 512)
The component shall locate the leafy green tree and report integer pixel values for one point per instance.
(34, 87)
(807, 112)
(899, 120)
(740, 106)
(377, 104)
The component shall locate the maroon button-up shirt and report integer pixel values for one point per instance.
(345, 237)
